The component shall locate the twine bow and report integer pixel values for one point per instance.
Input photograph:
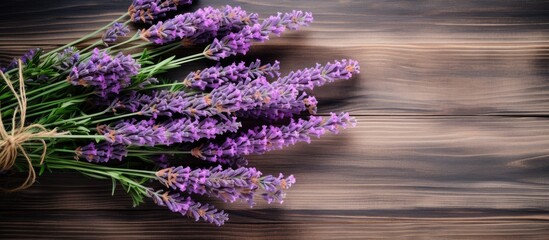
(11, 143)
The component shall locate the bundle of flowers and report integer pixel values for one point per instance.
(106, 111)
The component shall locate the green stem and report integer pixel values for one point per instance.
(127, 171)
(158, 152)
(137, 46)
(58, 87)
(29, 93)
(189, 58)
(85, 37)
(168, 48)
(78, 118)
(175, 63)
(95, 44)
(96, 137)
(132, 39)
(116, 117)
(42, 105)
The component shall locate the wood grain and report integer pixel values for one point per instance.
(452, 140)
(455, 177)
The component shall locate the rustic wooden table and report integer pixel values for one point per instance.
(452, 140)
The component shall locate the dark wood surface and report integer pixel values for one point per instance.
(452, 140)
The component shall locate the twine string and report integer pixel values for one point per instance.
(11, 142)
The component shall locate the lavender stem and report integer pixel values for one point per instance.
(85, 37)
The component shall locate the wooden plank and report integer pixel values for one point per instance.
(292, 225)
(428, 58)
(452, 177)
(421, 163)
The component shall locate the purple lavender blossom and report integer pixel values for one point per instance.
(291, 101)
(275, 187)
(213, 77)
(285, 106)
(234, 19)
(226, 98)
(231, 44)
(102, 152)
(187, 207)
(267, 138)
(115, 31)
(166, 103)
(200, 26)
(25, 58)
(256, 92)
(228, 185)
(68, 58)
(319, 75)
(105, 73)
(150, 133)
(133, 132)
(240, 42)
(147, 11)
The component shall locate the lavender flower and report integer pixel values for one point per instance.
(228, 185)
(115, 31)
(200, 26)
(25, 58)
(165, 103)
(240, 42)
(132, 132)
(319, 75)
(150, 133)
(187, 207)
(68, 58)
(275, 187)
(225, 99)
(214, 77)
(105, 73)
(291, 101)
(147, 11)
(266, 138)
(231, 44)
(256, 92)
(101, 152)
(287, 105)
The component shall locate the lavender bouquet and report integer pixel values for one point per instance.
(106, 111)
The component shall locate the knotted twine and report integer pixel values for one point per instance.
(11, 143)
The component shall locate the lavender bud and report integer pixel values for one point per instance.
(275, 187)
(115, 31)
(240, 42)
(106, 74)
(187, 207)
(147, 11)
(228, 185)
(200, 26)
(68, 58)
(216, 76)
(267, 138)
(25, 58)
(308, 78)
(102, 152)
(149, 133)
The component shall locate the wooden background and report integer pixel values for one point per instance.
(452, 140)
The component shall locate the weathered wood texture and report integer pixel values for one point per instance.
(452, 140)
